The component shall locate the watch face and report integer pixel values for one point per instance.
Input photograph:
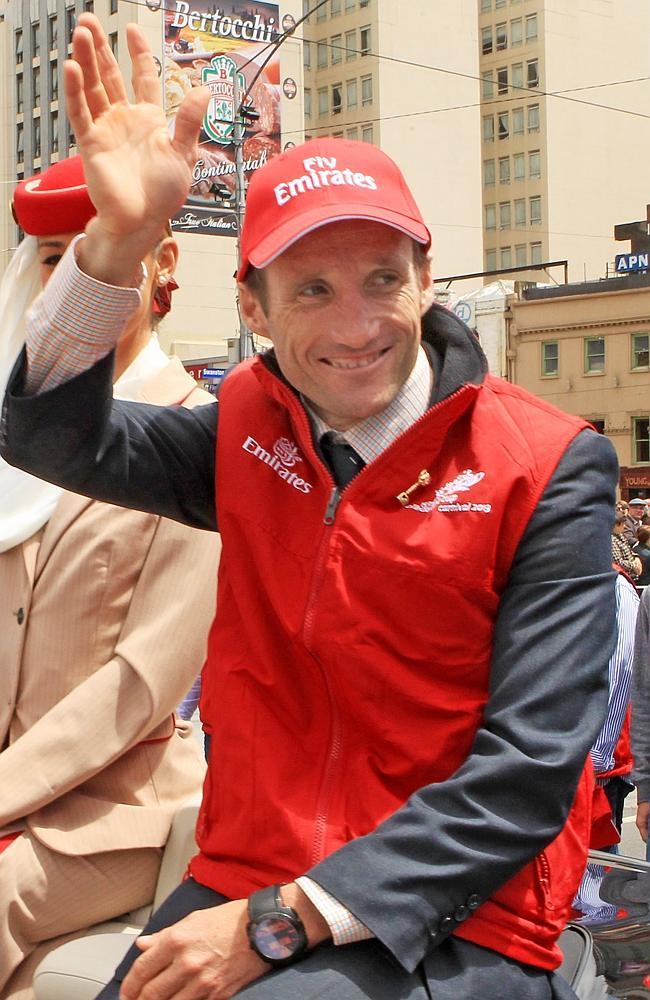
(276, 938)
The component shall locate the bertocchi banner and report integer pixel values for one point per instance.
(205, 45)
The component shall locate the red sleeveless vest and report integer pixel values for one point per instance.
(342, 638)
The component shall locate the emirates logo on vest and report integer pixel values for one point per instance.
(282, 457)
(447, 497)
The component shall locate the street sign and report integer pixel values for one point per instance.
(626, 262)
(213, 372)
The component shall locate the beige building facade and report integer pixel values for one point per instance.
(405, 76)
(586, 349)
(565, 130)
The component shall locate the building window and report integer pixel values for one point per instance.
(501, 37)
(499, 3)
(490, 260)
(112, 41)
(504, 170)
(321, 55)
(113, 7)
(487, 84)
(20, 142)
(486, 5)
(536, 210)
(520, 255)
(36, 87)
(532, 73)
(536, 253)
(365, 36)
(640, 439)
(531, 27)
(550, 358)
(20, 94)
(364, 3)
(489, 175)
(89, 5)
(306, 55)
(366, 91)
(504, 215)
(36, 138)
(533, 117)
(337, 98)
(351, 94)
(307, 102)
(54, 126)
(367, 134)
(502, 80)
(323, 106)
(53, 32)
(520, 212)
(352, 133)
(490, 217)
(598, 424)
(506, 257)
(349, 5)
(321, 13)
(350, 45)
(519, 164)
(534, 164)
(36, 43)
(335, 8)
(337, 49)
(640, 350)
(503, 125)
(18, 46)
(488, 128)
(306, 5)
(594, 355)
(69, 24)
(518, 76)
(486, 40)
(517, 121)
(516, 32)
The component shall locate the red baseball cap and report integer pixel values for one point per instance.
(318, 182)
(56, 201)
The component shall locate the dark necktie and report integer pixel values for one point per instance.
(342, 460)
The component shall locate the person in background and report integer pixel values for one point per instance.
(611, 755)
(642, 552)
(636, 511)
(103, 614)
(622, 553)
(402, 718)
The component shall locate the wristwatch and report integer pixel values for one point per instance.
(275, 931)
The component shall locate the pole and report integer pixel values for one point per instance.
(245, 337)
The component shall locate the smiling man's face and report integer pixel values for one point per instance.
(342, 308)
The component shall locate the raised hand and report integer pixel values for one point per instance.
(137, 174)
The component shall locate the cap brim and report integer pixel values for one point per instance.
(294, 229)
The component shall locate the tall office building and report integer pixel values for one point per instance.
(404, 75)
(565, 121)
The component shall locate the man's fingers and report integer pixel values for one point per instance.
(109, 70)
(83, 52)
(145, 79)
(188, 121)
(150, 964)
(80, 117)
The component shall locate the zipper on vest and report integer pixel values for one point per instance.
(332, 504)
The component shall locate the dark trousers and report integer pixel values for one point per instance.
(456, 969)
(617, 791)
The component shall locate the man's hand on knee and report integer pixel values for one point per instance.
(205, 956)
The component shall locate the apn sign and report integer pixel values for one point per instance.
(632, 262)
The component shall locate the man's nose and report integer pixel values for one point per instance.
(359, 322)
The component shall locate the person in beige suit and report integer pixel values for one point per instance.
(104, 614)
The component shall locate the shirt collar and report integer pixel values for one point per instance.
(372, 436)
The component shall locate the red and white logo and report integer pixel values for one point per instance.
(286, 451)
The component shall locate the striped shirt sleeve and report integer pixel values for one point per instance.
(345, 927)
(620, 676)
(74, 323)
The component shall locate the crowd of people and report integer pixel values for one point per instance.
(412, 673)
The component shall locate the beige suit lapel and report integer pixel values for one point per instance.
(68, 509)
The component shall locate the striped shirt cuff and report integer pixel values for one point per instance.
(75, 322)
(345, 927)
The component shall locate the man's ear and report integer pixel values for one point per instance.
(426, 282)
(252, 310)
